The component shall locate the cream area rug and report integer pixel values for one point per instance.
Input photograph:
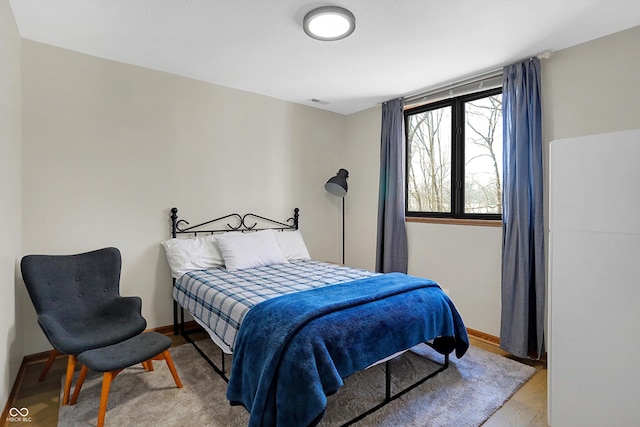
(466, 394)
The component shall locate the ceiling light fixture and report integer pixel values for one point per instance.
(329, 23)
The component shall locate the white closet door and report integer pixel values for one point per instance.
(594, 280)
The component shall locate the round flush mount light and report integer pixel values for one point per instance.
(329, 23)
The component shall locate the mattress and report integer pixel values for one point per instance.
(219, 299)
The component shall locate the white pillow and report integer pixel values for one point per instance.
(292, 245)
(198, 253)
(249, 250)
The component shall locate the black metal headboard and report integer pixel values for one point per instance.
(234, 222)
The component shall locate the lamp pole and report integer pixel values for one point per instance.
(337, 186)
(343, 230)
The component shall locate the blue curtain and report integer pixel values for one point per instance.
(523, 270)
(391, 248)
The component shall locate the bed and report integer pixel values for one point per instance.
(296, 327)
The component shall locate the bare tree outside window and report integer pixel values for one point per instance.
(455, 170)
(429, 165)
(483, 155)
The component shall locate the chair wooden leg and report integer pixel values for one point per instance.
(167, 357)
(79, 382)
(52, 357)
(108, 378)
(71, 366)
(104, 396)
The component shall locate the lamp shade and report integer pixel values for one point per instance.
(337, 185)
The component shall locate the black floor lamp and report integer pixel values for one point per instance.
(337, 186)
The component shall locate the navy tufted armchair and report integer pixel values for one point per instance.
(78, 303)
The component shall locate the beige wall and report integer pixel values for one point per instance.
(593, 87)
(11, 344)
(109, 148)
(361, 157)
(466, 260)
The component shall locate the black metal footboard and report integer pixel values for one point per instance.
(389, 395)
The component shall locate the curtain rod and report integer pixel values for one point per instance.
(453, 83)
(475, 78)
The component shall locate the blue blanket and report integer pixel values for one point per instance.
(293, 351)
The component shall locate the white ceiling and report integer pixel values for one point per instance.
(399, 46)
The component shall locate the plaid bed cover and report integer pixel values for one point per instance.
(219, 299)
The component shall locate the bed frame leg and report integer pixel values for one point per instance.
(181, 321)
(175, 318)
(387, 375)
(389, 397)
(220, 372)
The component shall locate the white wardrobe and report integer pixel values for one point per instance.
(594, 281)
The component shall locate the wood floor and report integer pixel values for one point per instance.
(526, 408)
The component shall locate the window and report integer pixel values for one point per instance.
(454, 157)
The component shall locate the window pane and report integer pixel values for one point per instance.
(483, 155)
(429, 161)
